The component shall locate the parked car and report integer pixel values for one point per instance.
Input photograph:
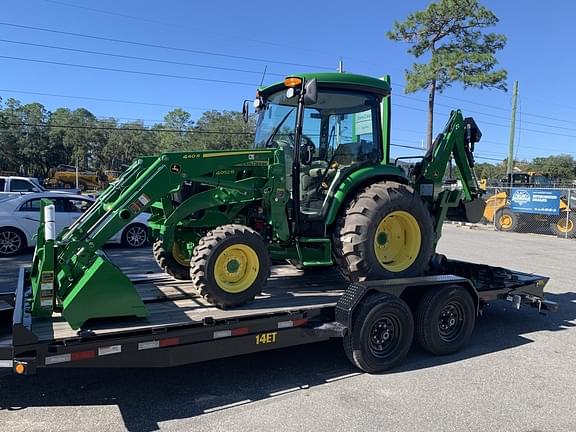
(15, 185)
(20, 218)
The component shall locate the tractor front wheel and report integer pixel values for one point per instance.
(175, 262)
(230, 265)
(386, 232)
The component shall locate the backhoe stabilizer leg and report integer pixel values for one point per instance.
(102, 292)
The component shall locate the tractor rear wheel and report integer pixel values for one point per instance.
(230, 265)
(174, 262)
(385, 232)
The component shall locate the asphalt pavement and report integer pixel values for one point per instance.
(517, 374)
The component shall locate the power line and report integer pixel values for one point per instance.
(122, 129)
(128, 71)
(123, 101)
(135, 57)
(174, 25)
(166, 47)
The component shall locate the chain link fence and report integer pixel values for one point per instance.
(547, 211)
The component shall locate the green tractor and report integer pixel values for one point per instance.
(318, 189)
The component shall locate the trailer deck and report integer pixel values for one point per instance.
(174, 303)
(296, 308)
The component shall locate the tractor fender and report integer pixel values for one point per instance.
(358, 179)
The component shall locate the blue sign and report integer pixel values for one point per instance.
(537, 201)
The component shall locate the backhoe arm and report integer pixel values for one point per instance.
(455, 142)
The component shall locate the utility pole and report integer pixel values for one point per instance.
(510, 166)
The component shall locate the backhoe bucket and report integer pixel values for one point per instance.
(103, 291)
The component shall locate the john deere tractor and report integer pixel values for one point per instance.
(318, 189)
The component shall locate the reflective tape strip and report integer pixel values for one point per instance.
(293, 323)
(240, 331)
(222, 334)
(148, 345)
(83, 355)
(114, 349)
(234, 332)
(158, 343)
(62, 358)
(6, 363)
(169, 342)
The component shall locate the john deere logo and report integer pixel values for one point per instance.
(175, 168)
(521, 197)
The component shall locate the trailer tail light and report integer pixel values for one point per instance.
(292, 323)
(158, 343)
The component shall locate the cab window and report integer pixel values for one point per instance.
(21, 186)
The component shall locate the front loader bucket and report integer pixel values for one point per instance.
(103, 291)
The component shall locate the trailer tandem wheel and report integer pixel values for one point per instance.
(381, 334)
(445, 319)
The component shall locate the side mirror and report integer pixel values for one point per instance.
(311, 92)
(246, 110)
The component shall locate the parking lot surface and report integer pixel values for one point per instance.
(517, 374)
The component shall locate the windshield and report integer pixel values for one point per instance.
(276, 120)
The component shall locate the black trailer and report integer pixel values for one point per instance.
(377, 320)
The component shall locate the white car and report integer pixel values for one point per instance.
(20, 218)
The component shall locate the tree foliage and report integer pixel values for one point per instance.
(448, 37)
(559, 168)
(33, 140)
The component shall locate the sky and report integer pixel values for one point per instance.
(213, 54)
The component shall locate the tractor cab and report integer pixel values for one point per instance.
(338, 131)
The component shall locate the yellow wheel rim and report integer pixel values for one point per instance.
(236, 268)
(181, 258)
(505, 221)
(397, 241)
(565, 227)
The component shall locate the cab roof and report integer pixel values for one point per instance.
(338, 80)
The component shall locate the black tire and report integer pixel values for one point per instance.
(506, 220)
(205, 257)
(168, 263)
(381, 334)
(135, 235)
(564, 227)
(445, 319)
(12, 242)
(354, 235)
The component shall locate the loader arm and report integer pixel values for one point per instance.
(77, 274)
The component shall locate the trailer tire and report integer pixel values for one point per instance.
(445, 319)
(168, 262)
(385, 232)
(381, 334)
(230, 265)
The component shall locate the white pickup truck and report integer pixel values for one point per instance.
(16, 185)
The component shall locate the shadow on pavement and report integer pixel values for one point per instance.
(147, 397)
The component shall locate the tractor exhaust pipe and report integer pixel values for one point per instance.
(50, 222)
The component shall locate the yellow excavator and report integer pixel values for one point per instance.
(65, 177)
